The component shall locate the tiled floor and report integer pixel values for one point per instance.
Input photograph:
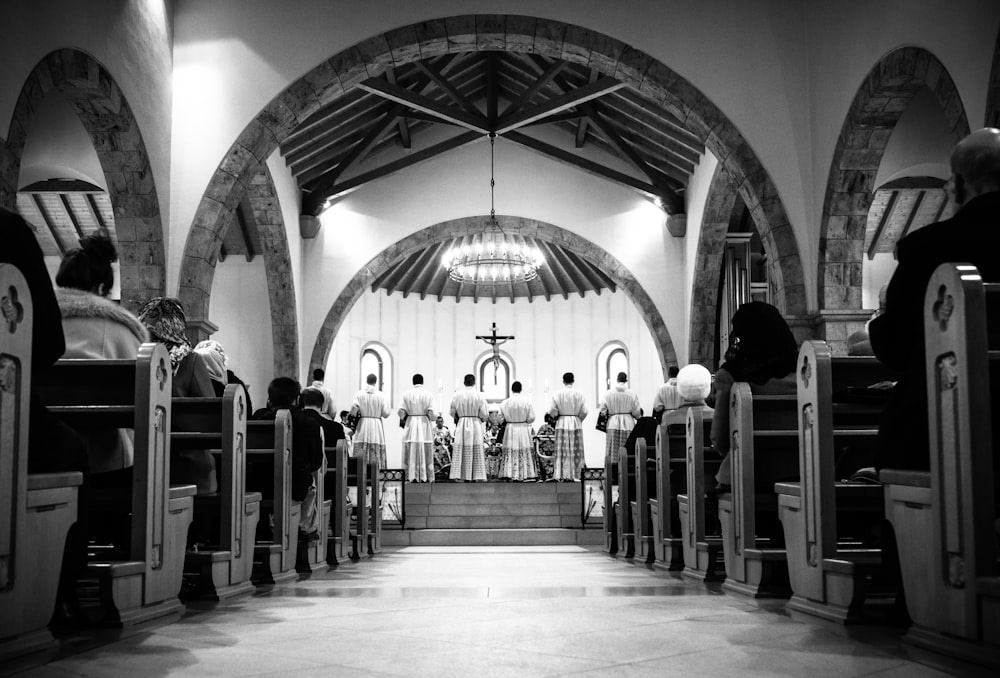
(485, 611)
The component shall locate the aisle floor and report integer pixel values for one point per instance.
(488, 611)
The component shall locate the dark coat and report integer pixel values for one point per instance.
(332, 431)
(897, 336)
(307, 453)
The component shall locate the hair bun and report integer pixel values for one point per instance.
(99, 247)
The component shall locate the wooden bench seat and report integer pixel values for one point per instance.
(644, 472)
(702, 552)
(136, 395)
(222, 568)
(670, 480)
(335, 489)
(830, 527)
(943, 519)
(269, 471)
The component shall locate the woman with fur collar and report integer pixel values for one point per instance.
(97, 328)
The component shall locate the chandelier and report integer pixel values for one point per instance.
(493, 257)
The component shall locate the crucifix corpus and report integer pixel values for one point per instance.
(494, 340)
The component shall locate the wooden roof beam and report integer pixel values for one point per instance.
(448, 88)
(72, 215)
(424, 260)
(575, 97)
(329, 178)
(405, 97)
(537, 86)
(313, 203)
(47, 218)
(882, 223)
(95, 213)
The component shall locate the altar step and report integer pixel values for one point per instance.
(497, 537)
(492, 514)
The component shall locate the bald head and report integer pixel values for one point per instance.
(975, 164)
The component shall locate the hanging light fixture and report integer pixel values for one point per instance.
(493, 257)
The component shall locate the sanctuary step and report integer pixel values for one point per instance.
(492, 514)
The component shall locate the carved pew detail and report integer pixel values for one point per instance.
(755, 567)
(274, 561)
(702, 555)
(357, 477)
(141, 584)
(312, 556)
(626, 489)
(223, 570)
(336, 494)
(670, 452)
(641, 516)
(36, 511)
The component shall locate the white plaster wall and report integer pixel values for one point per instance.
(617, 219)
(133, 40)
(438, 341)
(58, 147)
(240, 308)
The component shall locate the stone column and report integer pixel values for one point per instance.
(200, 330)
(834, 326)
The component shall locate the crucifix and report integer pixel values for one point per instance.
(494, 340)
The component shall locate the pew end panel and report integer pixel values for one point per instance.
(624, 513)
(269, 443)
(611, 508)
(312, 553)
(336, 492)
(641, 513)
(667, 544)
(702, 554)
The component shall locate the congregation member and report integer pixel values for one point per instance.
(345, 417)
(416, 412)
(763, 352)
(518, 459)
(468, 409)
(371, 406)
(897, 335)
(442, 449)
(328, 410)
(569, 410)
(621, 408)
(312, 401)
(545, 448)
(164, 318)
(667, 398)
(217, 363)
(307, 454)
(97, 328)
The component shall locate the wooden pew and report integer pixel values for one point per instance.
(763, 430)
(626, 494)
(223, 569)
(944, 520)
(36, 511)
(644, 472)
(335, 491)
(312, 555)
(831, 564)
(270, 442)
(611, 509)
(374, 475)
(671, 442)
(702, 553)
(139, 582)
(357, 478)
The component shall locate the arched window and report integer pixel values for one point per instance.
(611, 359)
(376, 359)
(494, 379)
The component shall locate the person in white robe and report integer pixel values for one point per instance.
(621, 406)
(369, 438)
(468, 409)
(518, 459)
(569, 410)
(667, 398)
(417, 412)
(327, 410)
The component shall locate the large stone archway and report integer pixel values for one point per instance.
(708, 267)
(877, 107)
(114, 131)
(554, 39)
(539, 230)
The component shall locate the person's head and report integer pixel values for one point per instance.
(762, 345)
(439, 421)
(312, 399)
(371, 380)
(975, 165)
(214, 358)
(622, 378)
(694, 383)
(672, 371)
(516, 387)
(568, 378)
(282, 392)
(319, 374)
(88, 267)
(549, 419)
(418, 379)
(164, 318)
(344, 414)
(470, 380)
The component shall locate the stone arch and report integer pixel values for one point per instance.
(708, 267)
(102, 108)
(877, 107)
(992, 116)
(263, 199)
(446, 230)
(343, 71)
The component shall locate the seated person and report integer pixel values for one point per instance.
(763, 352)
(217, 363)
(307, 454)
